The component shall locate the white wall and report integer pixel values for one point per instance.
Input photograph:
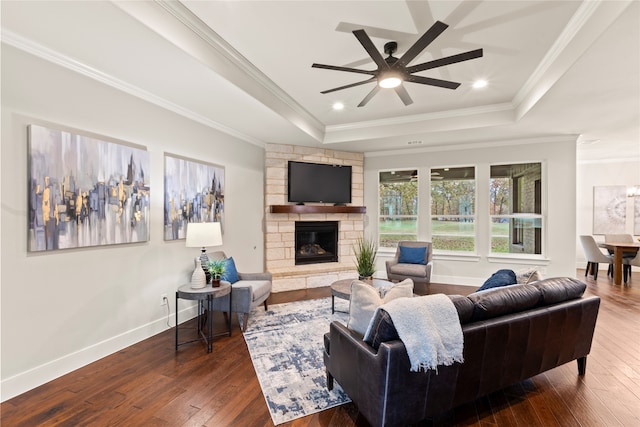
(558, 156)
(61, 310)
(602, 173)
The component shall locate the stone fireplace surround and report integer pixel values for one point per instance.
(280, 227)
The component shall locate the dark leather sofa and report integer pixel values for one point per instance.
(510, 334)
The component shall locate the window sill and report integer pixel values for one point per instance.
(466, 257)
(536, 260)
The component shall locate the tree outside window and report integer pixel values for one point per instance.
(453, 193)
(515, 208)
(398, 215)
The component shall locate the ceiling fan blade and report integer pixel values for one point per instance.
(432, 33)
(348, 69)
(349, 85)
(465, 56)
(367, 44)
(404, 95)
(369, 96)
(432, 82)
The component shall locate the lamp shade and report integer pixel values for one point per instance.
(203, 234)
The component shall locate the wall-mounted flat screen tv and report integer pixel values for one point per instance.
(316, 182)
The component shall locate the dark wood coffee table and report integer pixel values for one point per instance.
(342, 289)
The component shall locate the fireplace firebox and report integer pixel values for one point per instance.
(316, 242)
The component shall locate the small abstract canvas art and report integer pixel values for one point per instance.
(609, 209)
(85, 191)
(193, 192)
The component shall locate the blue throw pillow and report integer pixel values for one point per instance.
(498, 279)
(230, 272)
(409, 255)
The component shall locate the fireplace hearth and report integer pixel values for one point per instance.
(316, 242)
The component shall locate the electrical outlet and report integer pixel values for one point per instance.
(163, 299)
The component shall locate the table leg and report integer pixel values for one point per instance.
(617, 265)
(230, 315)
(210, 324)
(333, 304)
(176, 321)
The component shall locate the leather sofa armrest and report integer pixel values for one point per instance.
(350, 340)
(255, 276)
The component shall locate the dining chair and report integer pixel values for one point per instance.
(627, 263)
(594, 256)
(622, 238)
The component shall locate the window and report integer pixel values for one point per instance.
(453, 194)
(515, 208)
(398, 215)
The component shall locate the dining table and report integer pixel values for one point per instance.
(618, 249)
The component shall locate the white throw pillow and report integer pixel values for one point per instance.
(365, 299)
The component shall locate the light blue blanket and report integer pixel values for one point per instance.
(429, 328)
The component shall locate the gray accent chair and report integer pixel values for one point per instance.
(594, 256)
(419, 273)
(249, 292)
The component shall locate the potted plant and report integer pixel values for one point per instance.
(216, 269)
(365, 252)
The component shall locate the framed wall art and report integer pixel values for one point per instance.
(193, 192)
(85, 191)
(609, 209)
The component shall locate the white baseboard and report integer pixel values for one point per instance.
(32, 378)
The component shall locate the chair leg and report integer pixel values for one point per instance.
(610, 270)
(626, 272)
(245, 322)
(265, 305)
(586, 271)
(594, 266)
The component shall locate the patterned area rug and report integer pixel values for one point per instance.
(286, 346)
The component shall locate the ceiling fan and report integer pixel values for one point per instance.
(392, 71)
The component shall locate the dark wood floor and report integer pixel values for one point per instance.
(150, 384)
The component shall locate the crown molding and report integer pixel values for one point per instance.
(467, 118)
(589, 21)
(421, 118)
(177, 24)
(474, 145)
(26, 45)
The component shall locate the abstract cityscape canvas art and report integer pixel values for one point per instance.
(85, 191)
(193, 192)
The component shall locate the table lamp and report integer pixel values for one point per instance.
(201, 235)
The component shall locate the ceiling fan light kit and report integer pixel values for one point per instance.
(392, 72)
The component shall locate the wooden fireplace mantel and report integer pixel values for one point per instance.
(308, 209)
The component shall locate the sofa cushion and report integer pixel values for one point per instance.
(559, 289)
(230, 272)
(382, 330)
(504, 300)
(411, 255)
(259, 288)
(463, 306)
(365, 299)
(416, 270)
(498, 279)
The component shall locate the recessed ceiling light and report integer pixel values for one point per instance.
(479, 84)
(338, 106)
